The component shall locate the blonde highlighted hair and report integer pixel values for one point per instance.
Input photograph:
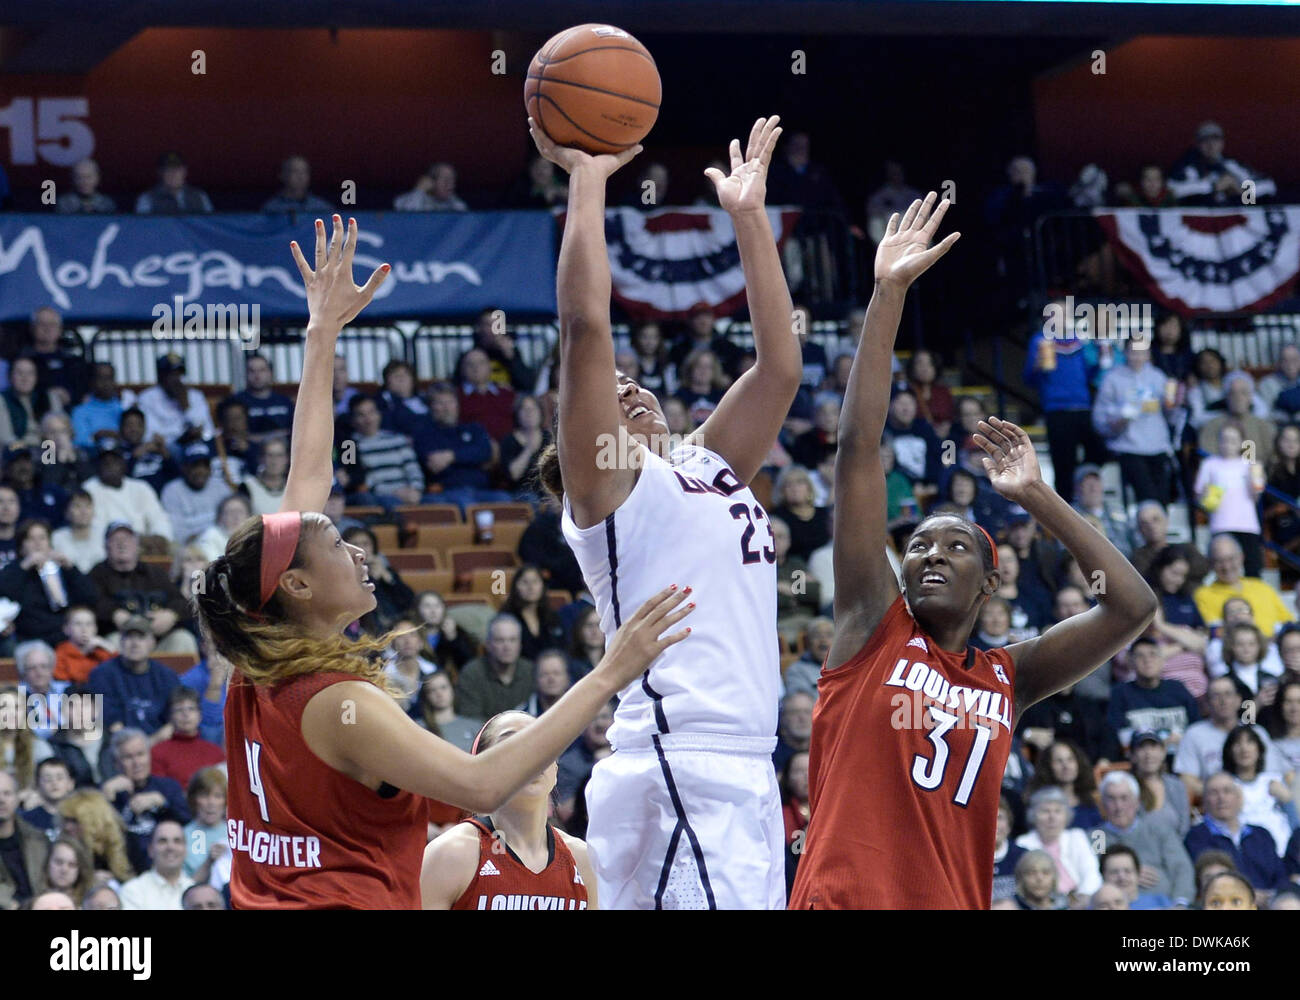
(266, 646)
(24, 765)
(102, 830)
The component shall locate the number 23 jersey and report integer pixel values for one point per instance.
(690, 521)
(909, 742)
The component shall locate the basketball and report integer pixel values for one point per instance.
(594, 87)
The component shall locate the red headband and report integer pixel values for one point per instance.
(280, 533)
(992, 545)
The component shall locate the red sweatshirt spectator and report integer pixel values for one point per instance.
(482, 401)
(186, 752)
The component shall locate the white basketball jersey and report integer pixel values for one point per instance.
(691, 522)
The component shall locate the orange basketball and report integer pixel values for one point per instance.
(594, 87)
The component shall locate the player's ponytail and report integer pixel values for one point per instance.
(258, 638)
(548, 472)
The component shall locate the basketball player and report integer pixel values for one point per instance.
(913, 726)
(329, 778)
(686, 812)
(512, 859)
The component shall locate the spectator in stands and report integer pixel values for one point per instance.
(812, 446)
(102, 898)
(1108, 897)
(1178, 617)
(1207, 389)
(1090, 500)
(26, 402)
(795, 809)
(404, 411)
(148, 458)
(1153, 529)
(1120, 866)
(434, 191)
(295, 190)
(1063, 765)
(1285, 378)
(191, 501)
(100, 415)
(459, 453)
(803, 674)
(205, 835)
(53, 784)
(836, 382)
(917, 450)
(128, 587)
(1030, 610)
(269, 412)
(177, 412)
(342, 390)
(1244, 410)
(527, 601)
(543, 545)
(702, 384)
(1163, 798)
(1249, 660)
(1151, 190)
(88, 816)
(1284, 720)
(161, 886)
(232, 511)
(1011, 211)
(1251, 848)
(481, 400)
(550, 681)
(1228, 486)
(1076, 866)
(498, 680)
(966, 453)
(1204, 176)
(64, 466)
(9, 513)
(796, 180)
(141, 798)
(1228, 562)
(794, 733)
(1284, 478)
(1036, 883)
(64, 374)
(172, 195)
(134, 687)
(993, 626)
(210, 677)
(576, 763)
(22, 849)
(37, 499)
(445, 643)
(80, 543)
(1267, 800)
(813, 354)
(185, 752)
(1172, 354)
(895, 195)
(1167, 870)
(539, 188)
(1201, 752)
(522, 446)
(45, 582)
(586, 643)
(85, 198)
(1067, 715)
(1006, 854)
(1128, 415)
(700, 335)
(439, 715)
(83, 649)
(1150, 702)
(1061, 367)
(656, 373)
(393, 598)
(798, 592)
(46, 709)
(68, 870)
(793, 498)
(933, 401)
(508, 365)
(386, 470)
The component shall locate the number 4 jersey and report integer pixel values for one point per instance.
(909, 743)
(691, 522)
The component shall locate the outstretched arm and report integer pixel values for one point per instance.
(749, 417)
(333, 301)
(865, 585)
(1069, 651)
(589, 404)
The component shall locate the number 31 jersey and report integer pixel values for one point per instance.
(909, 742)
(691, 522)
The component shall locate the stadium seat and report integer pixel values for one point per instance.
(493, 583)
(444, 536)
(386, 536)
(441, 580)
(456, 600)
(164, 561)
(8, 670)
(502, 511)
(414, 559)
(465, 559)
(433, 513)
(558, 599)
(364, 511)
(178, 663)
(506, 534)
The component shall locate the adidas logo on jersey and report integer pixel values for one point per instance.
(577, 877)
(489, 868)
(916, 640)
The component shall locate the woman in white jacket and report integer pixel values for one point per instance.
(1076, 865)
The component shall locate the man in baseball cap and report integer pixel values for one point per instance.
(191, 501)
(172, 195)
(1204, 176)
(176, 412)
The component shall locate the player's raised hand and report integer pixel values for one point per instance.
(641, 638)
(745, 188)
(905, 252)
(1010, 460)
(569, 159)
(332, 298)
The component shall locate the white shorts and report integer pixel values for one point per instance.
(688, 822)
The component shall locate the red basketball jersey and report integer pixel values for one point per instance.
(303, 835)
(909, 743)
(503, 881)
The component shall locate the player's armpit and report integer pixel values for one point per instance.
(447, 870)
